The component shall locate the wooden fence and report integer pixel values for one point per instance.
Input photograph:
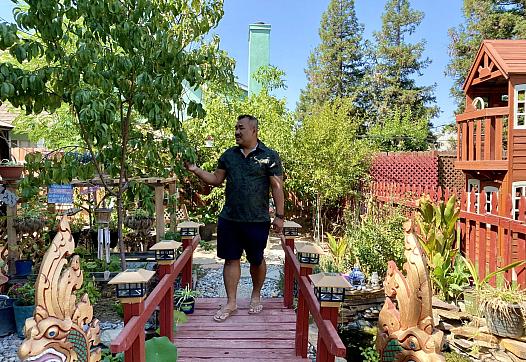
(492, 234)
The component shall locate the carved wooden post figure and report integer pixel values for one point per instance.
(61, 329)
(406, 333)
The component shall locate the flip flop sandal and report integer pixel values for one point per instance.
(255, 308)
(223, 314)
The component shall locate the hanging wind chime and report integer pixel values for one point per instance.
(102, 218)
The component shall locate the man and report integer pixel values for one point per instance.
(249, 169)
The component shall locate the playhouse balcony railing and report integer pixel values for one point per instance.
(483, 139)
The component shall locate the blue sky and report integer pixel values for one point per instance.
(295, 34)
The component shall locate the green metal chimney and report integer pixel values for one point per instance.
(258, 52)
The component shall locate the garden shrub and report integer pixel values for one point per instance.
(376, 241)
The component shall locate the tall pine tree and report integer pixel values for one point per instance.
(484, 19)
(391, 84)
(336, 66)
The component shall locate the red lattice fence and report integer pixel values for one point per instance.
(492, 234)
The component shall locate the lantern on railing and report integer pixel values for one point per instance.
(131, 285)
(290, 228)
(329, 288)
(308, 254)
(188, 228)
(166, 251)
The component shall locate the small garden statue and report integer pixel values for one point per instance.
(61, 329)
(406, 333)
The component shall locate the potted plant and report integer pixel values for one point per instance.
(140, 220)
(29, 220)
(209, 221)
(24, 304)
(505, 310)
(10, 170)
(471, 295)
(184, 299)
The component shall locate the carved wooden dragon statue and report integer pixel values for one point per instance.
(405, 328)
(61, 330)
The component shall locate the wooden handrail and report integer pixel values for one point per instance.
(482, 113)
(326, 330)
(136, 324)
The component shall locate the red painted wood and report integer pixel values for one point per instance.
(166, 308)
(136, 351)
(288, 287)
(493, 231)
(482, 250)
(186, 274)
(134, 326)
(330, 314)
(302, 321)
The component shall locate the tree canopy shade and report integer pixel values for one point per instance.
(336, 66)
(484, 19)
(119, 66)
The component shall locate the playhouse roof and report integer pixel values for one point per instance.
(504, 57)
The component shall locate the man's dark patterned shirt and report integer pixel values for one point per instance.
(248, 182)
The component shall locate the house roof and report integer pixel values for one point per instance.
(6, 117)
(508, 56)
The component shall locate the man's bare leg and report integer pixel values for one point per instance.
(231, 275)
(258, 274)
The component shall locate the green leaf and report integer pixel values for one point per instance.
(160, 349)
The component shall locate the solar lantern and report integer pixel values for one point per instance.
(308, 254)
(188, 228)
(290, 228)
(166, 251)
(131, 285)
(329, 288)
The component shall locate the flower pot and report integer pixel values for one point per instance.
(187, 306)
(7, 326)
(22, 312)
(13, 172)
(471, 302)
(206, 231)
(505, 325)
(23, 267)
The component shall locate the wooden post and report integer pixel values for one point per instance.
(302, 320)
(137, 352)
(288, 287)
(166, 314)
(331, 314)
(172, 190)
(186, 273)
(159, 212)
(11, 237)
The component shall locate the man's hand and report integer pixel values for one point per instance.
(190, 167)
(277, 225)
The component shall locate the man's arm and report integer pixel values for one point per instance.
(215, 178)
(276, 184)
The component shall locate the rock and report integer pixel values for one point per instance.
(477, 335)
(501, 356)
(516, 347)
(514, 358)
(453, 315)
(437, 303)
(108, 335)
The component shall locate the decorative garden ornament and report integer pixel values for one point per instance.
(406, 333)
(102, 218)
(375, 280)
(61, 329)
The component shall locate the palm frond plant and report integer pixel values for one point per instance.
(338, 249)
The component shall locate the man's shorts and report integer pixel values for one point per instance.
(233, 237)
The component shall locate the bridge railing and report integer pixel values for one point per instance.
(131, 340)
(329, 343)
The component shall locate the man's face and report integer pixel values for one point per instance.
(245, 132)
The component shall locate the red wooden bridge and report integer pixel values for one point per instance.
(278, 333)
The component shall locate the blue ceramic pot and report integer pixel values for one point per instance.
(7, 318)
(21, 314)
(23, 267)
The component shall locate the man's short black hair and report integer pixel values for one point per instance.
(251, 118)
